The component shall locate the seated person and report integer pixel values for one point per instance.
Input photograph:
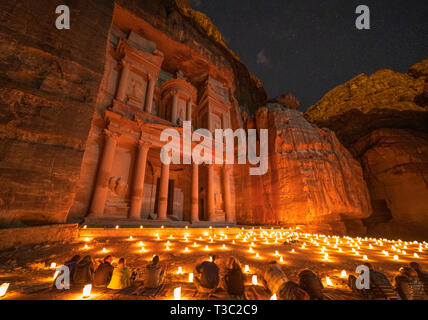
(292, 291)
(154, 274)
(310, 283)
(234, 278)
(380, 287)
(83, 272)
(278, 283)
(422, 276)
(71, 264)
(121, 278)
(408, 286)
(207, 276)
(104, 272)
(274, 277)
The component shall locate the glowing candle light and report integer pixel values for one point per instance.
(293, 251)
(386, 253)
(53, 265)
(56, 274)
(142, 249)
(274, 297)
(370, 246)
(180, 270)
(251, 249)
(141, 227)
(117, 227)
(87, 291)
(85, 226)
(276, 253)
(254, 280)
(233, 241)
(168, 243)
(3, 289)
(162, 227)
(340, 250)
(207, 248)
(246, 268)
(328, 281)
(104, 250)
(177, 293)
(395, 257)
(86, 247)
(365, 257)
(281, 259)
(211, 259)
(403, 253)
(343, 274)
(257, 255)
(326, 256)
(415, 255)
(140, 244)
(190, 277)
(224, 246)
(131, 238)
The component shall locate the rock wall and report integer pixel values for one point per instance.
(395, 164)
(383, 120)
(49, 86)
(49, 82)
(312, 179)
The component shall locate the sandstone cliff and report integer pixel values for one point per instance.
(312, 179)
(49, 85)
(383, 120)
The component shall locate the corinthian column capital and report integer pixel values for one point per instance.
(111, 134)
(144, 144)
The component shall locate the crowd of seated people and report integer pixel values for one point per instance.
(411, 283)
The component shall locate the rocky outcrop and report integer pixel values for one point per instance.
(312, 179)
(386, 99)
(383, 120)
(395, 164)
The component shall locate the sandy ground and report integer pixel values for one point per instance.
(27, 268)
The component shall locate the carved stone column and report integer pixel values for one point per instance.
(210, 195)
(138, 183)
(103, 176)
(150, 93)
(189, 110)
(123, 82)
(230, 215)
(174, 106)
(195, 193)
(163, 193)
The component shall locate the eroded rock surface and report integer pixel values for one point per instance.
(383, 120)
(312, 179)
(395, 164)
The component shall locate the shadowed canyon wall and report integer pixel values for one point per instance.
(383, 120)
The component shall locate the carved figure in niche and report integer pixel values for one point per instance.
(117, 186)
(218, 197)
(180, 117)
(137, 90)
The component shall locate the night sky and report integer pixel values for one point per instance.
(308, 47)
